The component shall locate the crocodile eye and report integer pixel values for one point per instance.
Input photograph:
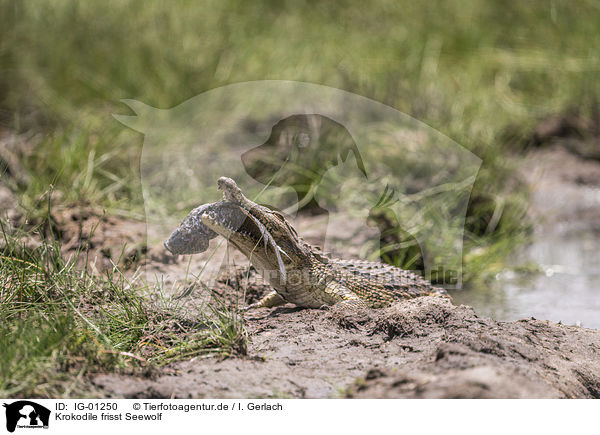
(288, 226)
(279, 216)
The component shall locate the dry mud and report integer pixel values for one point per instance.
(421, 348)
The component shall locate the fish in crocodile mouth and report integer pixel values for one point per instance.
(228, 220)
(194, 233)
(191, 236)
(220, 218)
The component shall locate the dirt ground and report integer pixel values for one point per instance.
(422, 348)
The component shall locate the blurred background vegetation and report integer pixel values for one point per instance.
(483, 73)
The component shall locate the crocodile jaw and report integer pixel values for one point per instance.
(231, 222)
(250, 236)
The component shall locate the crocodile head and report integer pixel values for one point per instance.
(262, 234)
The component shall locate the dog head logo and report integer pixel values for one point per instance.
(26, 414)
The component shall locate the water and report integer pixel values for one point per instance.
(566, 290)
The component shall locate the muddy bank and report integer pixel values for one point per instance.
(425, 347)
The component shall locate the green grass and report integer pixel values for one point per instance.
(59, 323)
(83, 168)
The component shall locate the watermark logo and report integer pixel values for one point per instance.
(365, 176)
(25, 414)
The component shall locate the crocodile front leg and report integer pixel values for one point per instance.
(270, 300)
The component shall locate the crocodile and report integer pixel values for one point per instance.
(298, 272)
